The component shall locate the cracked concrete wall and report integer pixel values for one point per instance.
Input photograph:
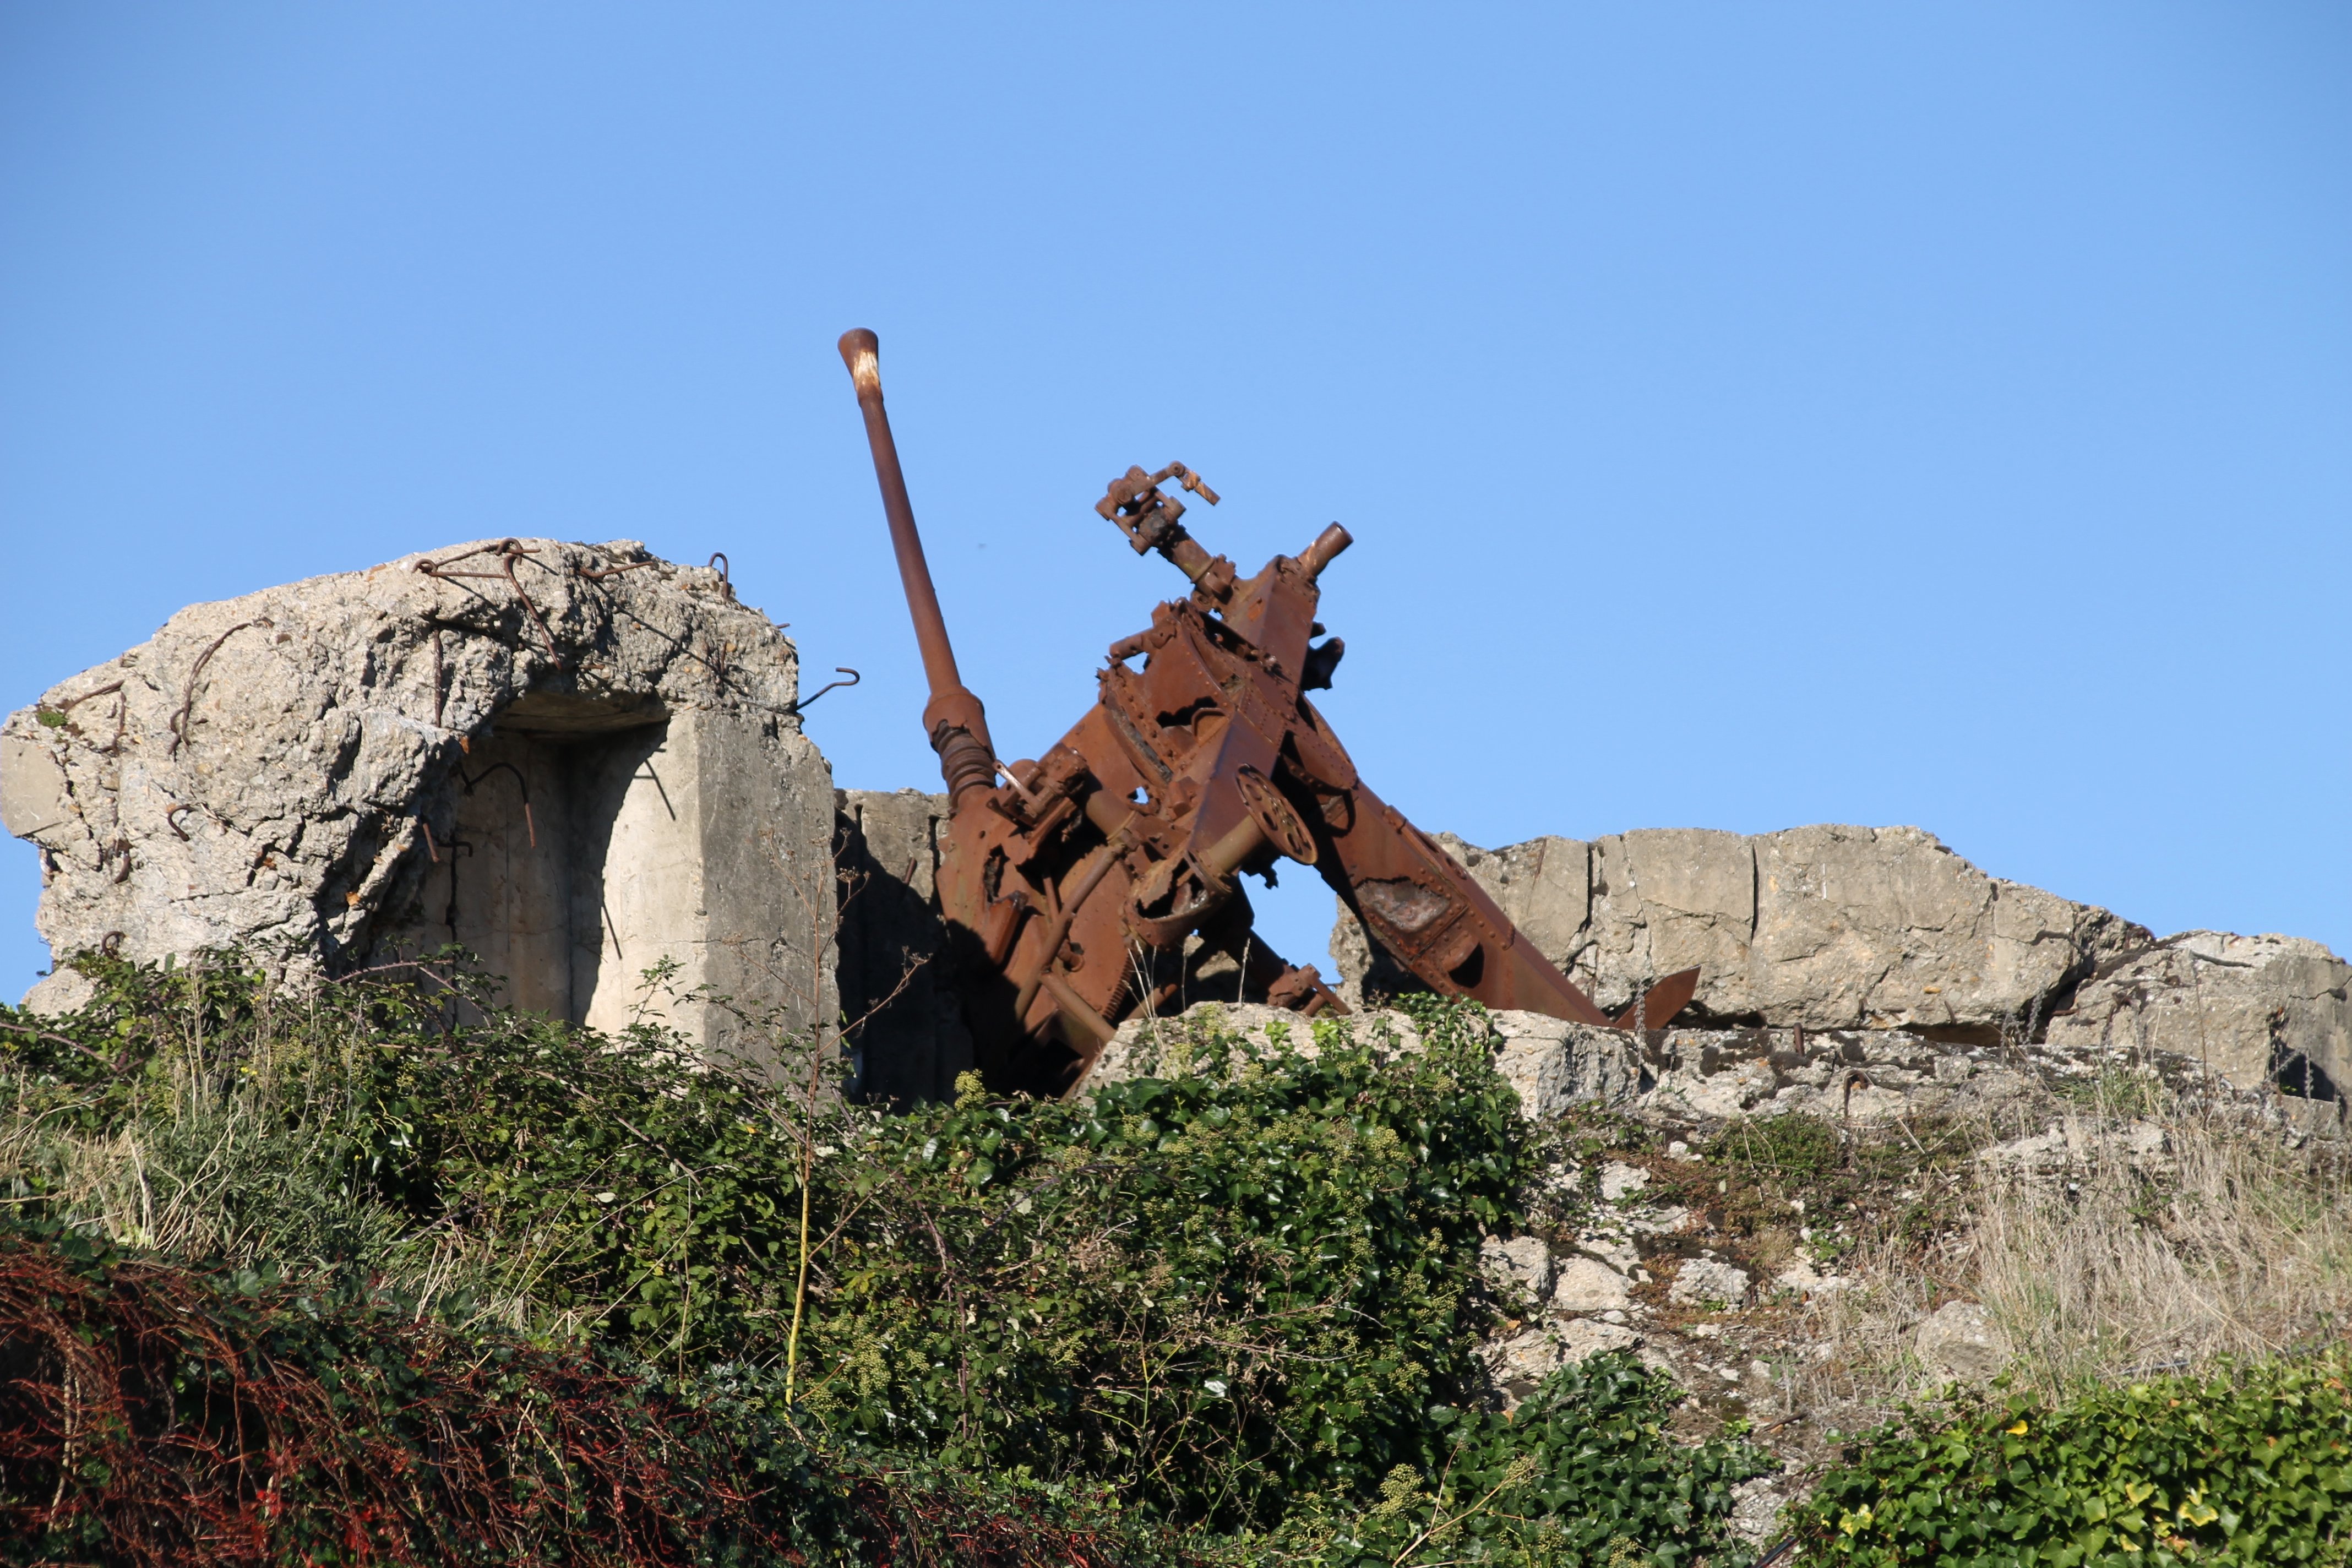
(1826, 927)
(600, 747)
(2252, 1008)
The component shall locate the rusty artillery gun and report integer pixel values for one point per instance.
(1071, 886)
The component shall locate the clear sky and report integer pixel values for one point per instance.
(1748, 416)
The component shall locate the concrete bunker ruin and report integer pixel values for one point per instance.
(580, 848)
(581, 763)
(562, 813)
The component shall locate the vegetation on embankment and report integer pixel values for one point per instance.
(364, 1276)
(398, 1286)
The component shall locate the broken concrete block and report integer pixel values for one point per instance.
(2261, 1011)
(1619, 1180)
(1552, 1063)
(1589, 1285)
(1708, 1281)
(1583, 1337)
(579, 762)
(35, 796)
(1612, 1248)
(1519, 1264)
(1730, 1092)
(1823, 927)
(1962, 1342)
(1519, 1363)
(60, 992)
(2075, 1144)
(1800, 1280)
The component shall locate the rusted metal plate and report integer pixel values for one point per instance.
(1654, 1007)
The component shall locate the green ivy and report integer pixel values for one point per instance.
(2250, 1465)
(1224, 1289)
(1580, 1476)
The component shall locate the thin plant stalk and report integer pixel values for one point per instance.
(800, 1285)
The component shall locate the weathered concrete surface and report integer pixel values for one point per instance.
(302, 771)
(1519, 1267)
(1710, 1077)
(1839, 966)
(1826, 927)
(1553, 1064)
(1702, 1281)
(900, 1019)
(2258, 1010)
(1963, 1342)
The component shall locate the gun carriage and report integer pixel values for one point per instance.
(1070, 885)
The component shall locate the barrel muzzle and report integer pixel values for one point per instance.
(1324, 550)
(861, 351)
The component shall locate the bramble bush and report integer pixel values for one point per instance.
(154, 1412)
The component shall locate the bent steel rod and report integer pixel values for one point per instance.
(953, 719)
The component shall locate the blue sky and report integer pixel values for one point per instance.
(1748, 416)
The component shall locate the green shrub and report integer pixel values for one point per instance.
(1580, 1476)
(1240, 1297)
(1224, 1289)
(2250, 1465)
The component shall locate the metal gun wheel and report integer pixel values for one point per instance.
(1272, 812)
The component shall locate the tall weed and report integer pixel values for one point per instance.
(2110, 1241)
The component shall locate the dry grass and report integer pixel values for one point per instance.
(2147, 1235)
(255, 1163)
(2229, 1242)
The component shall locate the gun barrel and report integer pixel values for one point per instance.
(953, 719)
(861, 351)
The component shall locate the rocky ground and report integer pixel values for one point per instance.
(1781, 1220)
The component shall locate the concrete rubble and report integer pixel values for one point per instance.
(1519, 1267)
(1708, 1282)
(1962, 1341)
(579, 760)
(1636, 1253)
(2250, 1007)
(1861, 933)
(1826, 927)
